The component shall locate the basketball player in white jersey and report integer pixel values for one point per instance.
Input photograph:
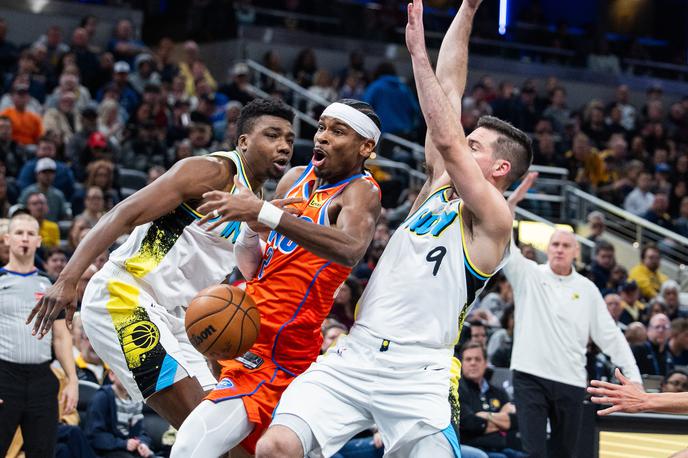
(133, 308)
(393, 369)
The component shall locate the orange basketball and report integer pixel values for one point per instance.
(222, 322)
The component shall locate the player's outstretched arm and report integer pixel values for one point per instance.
(520, 193)
(179, 184)
(482, 198)
(452, 67)
(630, 398)
(345, 243)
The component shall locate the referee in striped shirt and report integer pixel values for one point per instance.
(28, 388)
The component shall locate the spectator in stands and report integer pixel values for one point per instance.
(49, 231)
(636, 334)
(305, 66)
(640, 199)
(654, 307)
(237, 89)
(487, 414)
(55, 261)
(653, 356)
(345, 301)
(89, 366)
(674, 382)
(69, 84)
(557, 110)
(64, 178)
(678, 343)
(602, 60)
(101, 173)
(323, 86)
(501, 343)
(120, 89)
(628, 111)
(497, 301)
(657, 213)
(200, 135)
(85, 58)
(330, 332)
(144, 150)
(154, 173)
(477, 332)
(45, 176)
(109, 121)
(79, 227)
(144, 72)
(662, 177)
(12, 155)
(601, 267)
(193, 69)
(627, 176)
(94, 205)
(27, 127)
(646, 273)
(597, 225)
(585, 165)
(669, 293)
(393, 101)
(545, 151)
(115, 423)
(123, 45)
(632, 307)
(62, 120)
(615, 307)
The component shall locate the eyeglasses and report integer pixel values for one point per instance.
(677, 383)
(661, 327)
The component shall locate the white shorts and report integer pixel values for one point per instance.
(144, 343)
(361, 382)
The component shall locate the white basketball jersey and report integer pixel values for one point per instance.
(173, 257)
(424, 283)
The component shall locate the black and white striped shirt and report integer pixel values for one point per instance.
(18, 295)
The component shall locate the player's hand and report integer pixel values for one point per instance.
(143, 450)
(221, 206)
(60, 296)
(242, 206)
(132, 444)
(520, 193)
(415, 31)
(70, 397)
(627, 397)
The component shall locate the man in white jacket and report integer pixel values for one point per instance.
(556, 312)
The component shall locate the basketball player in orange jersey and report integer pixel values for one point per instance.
(133, 308)
(393, 369)
(295, 278)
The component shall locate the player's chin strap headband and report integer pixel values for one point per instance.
(358, 121)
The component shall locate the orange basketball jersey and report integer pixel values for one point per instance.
(294, 289)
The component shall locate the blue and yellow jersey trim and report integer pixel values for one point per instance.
(235, 157)
(444, 193)
(467, 260)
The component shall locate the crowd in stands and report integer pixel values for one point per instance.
(75, 118)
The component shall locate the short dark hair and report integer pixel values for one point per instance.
(364, 108)
(262, 107)
(669, 374)
(56, 250)
(513, 144)
(646, 248)
(603, 245)
(471, 346)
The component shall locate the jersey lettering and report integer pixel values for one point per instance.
(433, 223)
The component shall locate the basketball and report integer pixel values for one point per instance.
(222, 322)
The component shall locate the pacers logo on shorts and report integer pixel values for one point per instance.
(137, 339)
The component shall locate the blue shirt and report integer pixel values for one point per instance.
(394, 103)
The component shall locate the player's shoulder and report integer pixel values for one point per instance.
(363, 189)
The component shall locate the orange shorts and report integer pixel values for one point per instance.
(260, 390)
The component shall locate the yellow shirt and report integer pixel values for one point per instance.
(50, 233)
(648, 281)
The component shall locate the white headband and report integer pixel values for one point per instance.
(358, 121)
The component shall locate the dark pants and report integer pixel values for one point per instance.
(29, 394)
(538, 399)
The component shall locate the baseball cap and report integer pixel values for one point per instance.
(122, 67)
(97, 140)
(240, 68)
(44, 164)
(628, 286)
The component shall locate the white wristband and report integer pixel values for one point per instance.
(270, 215)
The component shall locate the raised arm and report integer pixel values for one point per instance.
(481, 197)
(452, 67)
(179, 184)
(344, 243)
